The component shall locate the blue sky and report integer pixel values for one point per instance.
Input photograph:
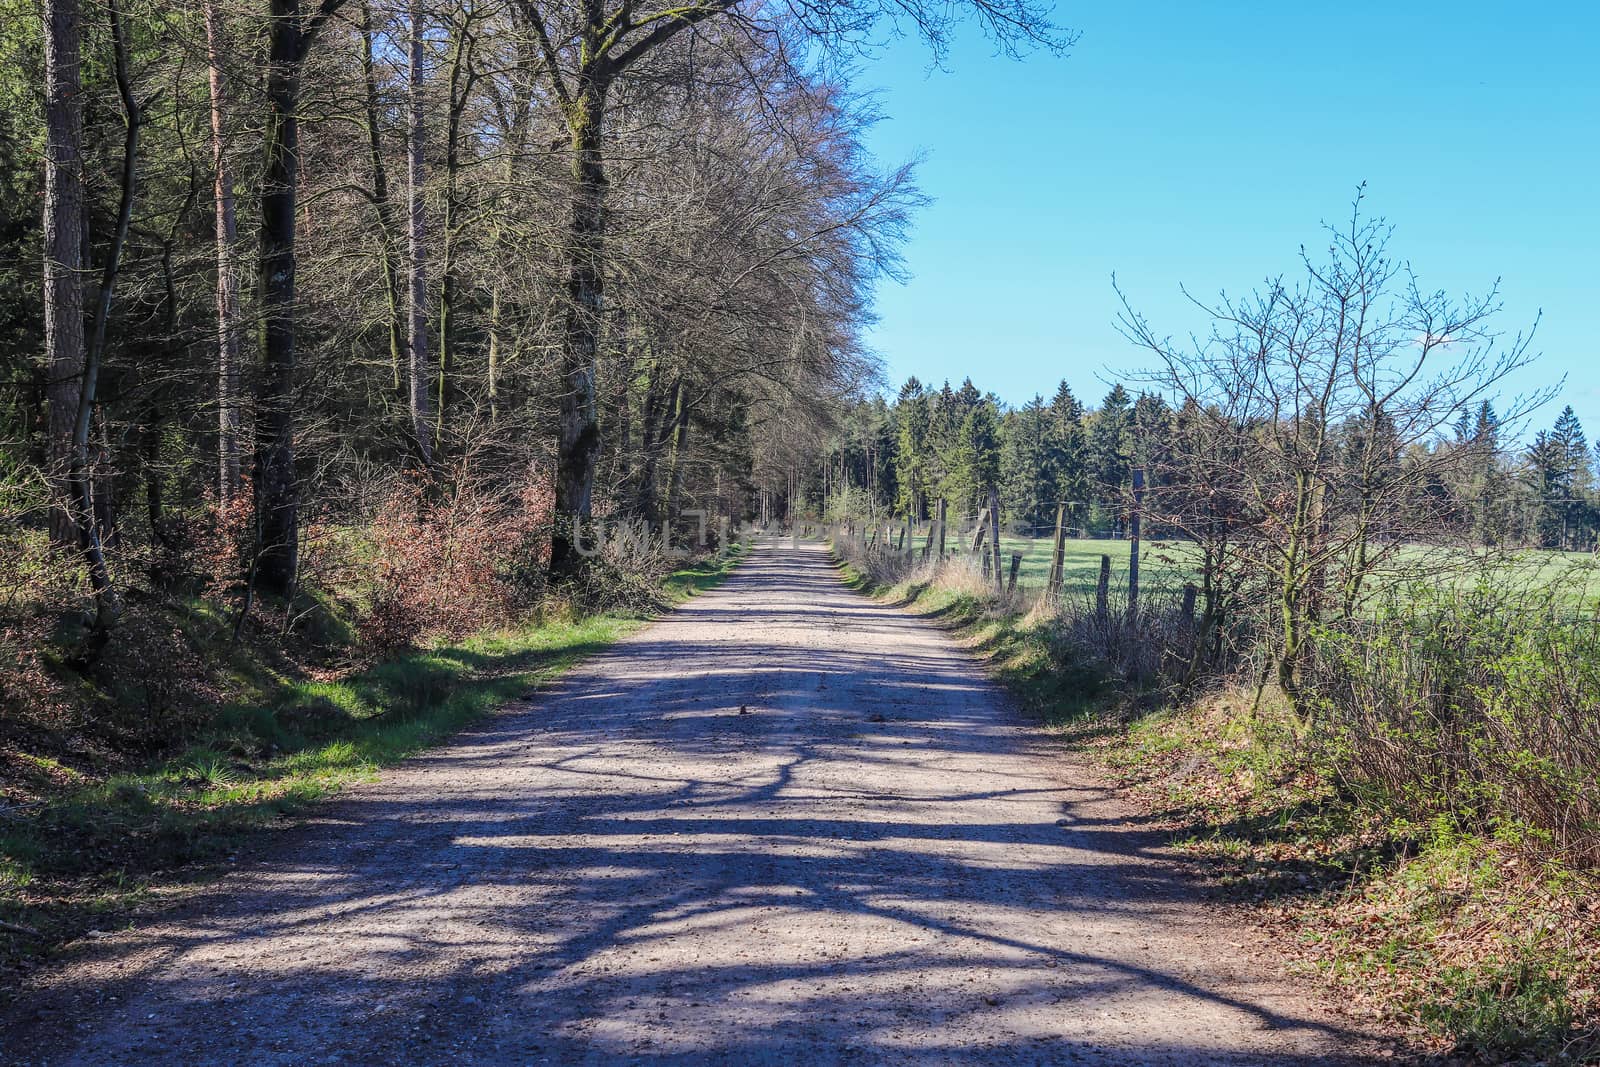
(1203, 144)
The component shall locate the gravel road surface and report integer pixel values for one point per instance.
(786, 824)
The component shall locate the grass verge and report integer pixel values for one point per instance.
(82, 851)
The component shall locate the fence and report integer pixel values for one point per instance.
(979, 539)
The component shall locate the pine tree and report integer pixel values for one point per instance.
(977, 466)
(1546, 478)
(1571, 451)
(1151, 432)
(1067, 453)
(1486, 488)
(1027, 477)
(1110, 454)
(1574, 448)
(911, 465)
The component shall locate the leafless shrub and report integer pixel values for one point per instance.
(1480, 708)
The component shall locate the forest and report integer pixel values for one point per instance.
(303, 270)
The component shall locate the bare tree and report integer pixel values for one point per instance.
(590, 47)
(421, 375)
(1317, 405)
(382, 203)
(291, 32)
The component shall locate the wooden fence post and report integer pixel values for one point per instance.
(977, 535)
(1189, 591)
(994, 538)
(943, 506)
(1133, 542)
(1016, 565)
(1102, 589)
(1058, 556)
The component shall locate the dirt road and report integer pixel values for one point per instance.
(786, 824)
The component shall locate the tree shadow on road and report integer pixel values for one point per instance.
(746, 857)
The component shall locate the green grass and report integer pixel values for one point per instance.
(1164, 566)
(90, 849)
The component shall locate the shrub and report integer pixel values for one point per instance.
(625, 572)
(1482, 707)
(452, 565)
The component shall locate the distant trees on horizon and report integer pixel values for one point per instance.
(897, 458)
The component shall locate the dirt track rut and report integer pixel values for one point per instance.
(784, 824)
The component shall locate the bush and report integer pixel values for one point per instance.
(450, 566)
(1482, 707)
(624, 574)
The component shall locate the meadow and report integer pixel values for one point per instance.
(1165, 566)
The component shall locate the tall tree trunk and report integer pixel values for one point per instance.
(383, 204)
(420, 372)
(657, 413)
(578, 445)
(680, 460)
(621, 418)
(63, 255)
(462, 77)
(92, 521)
(521, 77)
(493, 371)
(228, 421)
(277, 491)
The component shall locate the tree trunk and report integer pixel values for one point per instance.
(680, 458)
(421, 376)
(383, 204)
(522, 78)
(578, 444)
(493, 371)
(462, 77)
(657, 427)
(277, 489)
(63, 255)
(228, 421)
(92, 521)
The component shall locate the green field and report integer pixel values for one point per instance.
(1163, 565)
(1166, 565)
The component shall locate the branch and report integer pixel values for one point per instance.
(667, 25)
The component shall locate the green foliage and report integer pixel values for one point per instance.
(1027, 482)
(1110, 450)
(1509, 1008)
(977, 458)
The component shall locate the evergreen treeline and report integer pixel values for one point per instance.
(897, 458)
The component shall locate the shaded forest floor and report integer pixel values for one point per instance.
(230, 738)
(1463, 943)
